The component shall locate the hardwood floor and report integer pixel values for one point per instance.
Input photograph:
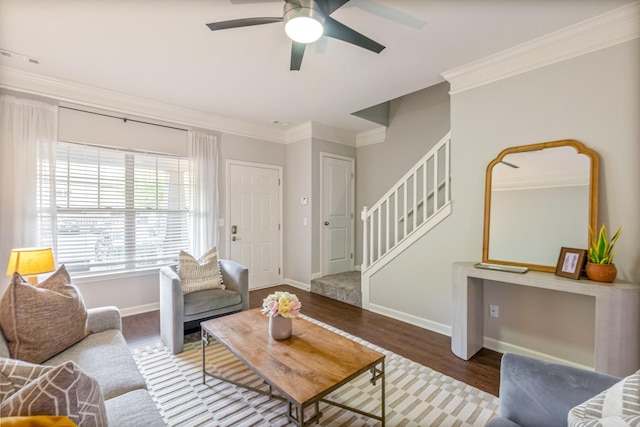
(415, 343)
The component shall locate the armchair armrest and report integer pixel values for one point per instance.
(172, 309)
(103, 318)
(539, 393)
(236, 277)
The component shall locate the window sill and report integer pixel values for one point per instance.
(101, 277)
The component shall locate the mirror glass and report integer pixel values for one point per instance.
(539, 198)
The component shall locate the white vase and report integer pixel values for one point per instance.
(280, 327)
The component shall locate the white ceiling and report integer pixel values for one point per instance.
(162, 50)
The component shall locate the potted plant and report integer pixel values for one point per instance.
(600, 266)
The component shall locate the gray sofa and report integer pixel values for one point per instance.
(535, 393)
(104, 355)
(180, 312)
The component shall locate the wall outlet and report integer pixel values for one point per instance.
(493, 310)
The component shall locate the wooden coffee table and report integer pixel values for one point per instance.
(302, 369)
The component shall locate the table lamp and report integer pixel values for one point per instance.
(31, 262)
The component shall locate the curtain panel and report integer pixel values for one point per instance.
(28, 134)
(202, 150)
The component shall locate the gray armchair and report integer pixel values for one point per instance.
(535, 393)
(179, 312)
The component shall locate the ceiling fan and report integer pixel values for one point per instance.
(305, 22)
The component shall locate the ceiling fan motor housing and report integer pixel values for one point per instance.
(303, 21)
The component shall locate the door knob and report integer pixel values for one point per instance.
(234, 238)
(326, 223)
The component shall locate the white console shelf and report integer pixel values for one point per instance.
(617, 316)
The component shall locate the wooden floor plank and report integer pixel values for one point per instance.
(418, 344)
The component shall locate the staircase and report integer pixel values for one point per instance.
(414, 205)
(345, 287)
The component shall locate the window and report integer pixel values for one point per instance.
(114, 209)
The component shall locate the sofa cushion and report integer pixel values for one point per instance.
(63, 390)
(134, 409)
(203, 273)
(40, 321)
(106, 357)
(620, 403)
(15, 374)
(211, 299)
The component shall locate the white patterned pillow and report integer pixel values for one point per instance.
(63, 390)
(617, 421)
(619, 405)
(200, 274)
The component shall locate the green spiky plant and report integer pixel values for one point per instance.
(600, 248)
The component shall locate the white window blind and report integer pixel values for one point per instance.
(116, 209)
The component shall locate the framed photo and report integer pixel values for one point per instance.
(571, 262)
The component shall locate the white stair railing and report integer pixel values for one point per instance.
(419, 197)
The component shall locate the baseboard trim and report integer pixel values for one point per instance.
(262, 287)
(139, 309)
(503, 347)
(411, 319)
(316, 276)
(296, 284)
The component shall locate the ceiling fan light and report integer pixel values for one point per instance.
(303, 24)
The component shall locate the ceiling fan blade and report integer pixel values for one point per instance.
(244, 22)
(330, 6)
(297, 52)
(336, 30)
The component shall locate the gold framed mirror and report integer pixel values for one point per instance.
(538, 199)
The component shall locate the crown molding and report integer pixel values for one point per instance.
(618, 26)
(373, 136)
(66, 91)
(299, 133)
(329, 133)
(312, 129)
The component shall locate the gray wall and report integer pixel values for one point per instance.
(297, 235)
(595, 99)
(417, 122)
(302, 178)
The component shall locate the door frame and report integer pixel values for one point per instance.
(352, 202)
(232, 162)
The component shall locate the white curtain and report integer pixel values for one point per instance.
(202, 149)
(28, 134)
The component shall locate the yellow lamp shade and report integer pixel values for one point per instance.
(31, 261)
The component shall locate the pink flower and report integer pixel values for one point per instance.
(281, 304)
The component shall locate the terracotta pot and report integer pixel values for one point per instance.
(602, 272)
(280, 327)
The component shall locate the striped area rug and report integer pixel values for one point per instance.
(415, 395)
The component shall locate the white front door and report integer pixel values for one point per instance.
(337, 213)
(254, 215)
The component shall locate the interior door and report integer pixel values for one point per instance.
(253, 234)
(337, 214)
